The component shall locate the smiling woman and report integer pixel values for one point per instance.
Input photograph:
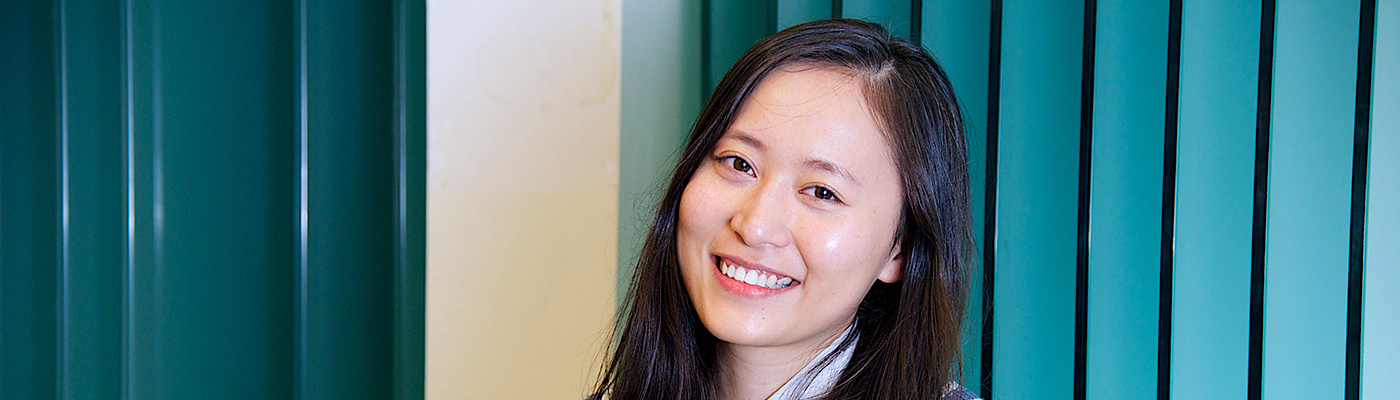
(814, 238)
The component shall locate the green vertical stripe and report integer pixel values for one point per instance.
(1380, 344)
(29, 212)
(793, 12)
(660, 98)
(140, 92)
(350, 199)
(1215, 175)
(1038, 193)
(92, 120)
(734, 26)
(1125, 216)
(411, 206)
(895, 15)
(221, 282)
(956, 33)
(1310, 200)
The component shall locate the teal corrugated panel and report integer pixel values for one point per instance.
(219, 279)
(1037, 199)
(1125, 216)
(1380, 344)
(793, 12)
(895, 15)
(347, 295)
(957, 34)
(1215, 195)
(660, 98)
(29, 202)
(149, 210)
(734, 27)
(95, 223)
(140, 315)
(410, 104)
(1309, 210)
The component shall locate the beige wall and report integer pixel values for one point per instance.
(522, 195)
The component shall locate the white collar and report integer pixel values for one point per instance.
(804, 385)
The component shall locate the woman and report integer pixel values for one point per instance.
(814, 238)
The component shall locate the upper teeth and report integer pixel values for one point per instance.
(754, 277)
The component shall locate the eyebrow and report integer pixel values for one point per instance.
(813, 163)
(830, 167)
(749, 140)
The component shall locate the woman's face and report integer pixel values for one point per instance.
(799, 203)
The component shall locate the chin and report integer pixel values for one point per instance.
(742, 332)
(727, 320)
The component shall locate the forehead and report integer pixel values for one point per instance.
(815, 113)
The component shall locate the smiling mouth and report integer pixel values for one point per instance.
(753, 277)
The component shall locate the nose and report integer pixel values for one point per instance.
(765, 217)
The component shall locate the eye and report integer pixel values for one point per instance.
(823, 193)
(738, 164)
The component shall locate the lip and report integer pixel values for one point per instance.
(743, 289)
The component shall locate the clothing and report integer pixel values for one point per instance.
(807, 385)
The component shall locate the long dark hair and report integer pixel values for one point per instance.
(908, 345)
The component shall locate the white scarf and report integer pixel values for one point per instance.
(825, 378)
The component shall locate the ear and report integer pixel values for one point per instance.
(893, 270)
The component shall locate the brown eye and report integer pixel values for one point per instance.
(823, 194)
(740, 165)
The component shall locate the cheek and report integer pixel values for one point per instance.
(691, 213)
(699, 219)
(866, 231)
(831, 241)
(703, 205)
(855, 247)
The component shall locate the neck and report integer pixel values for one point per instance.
(755, 373)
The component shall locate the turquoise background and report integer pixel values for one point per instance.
(1310, 155)
(1379, 365)
(1214, 199)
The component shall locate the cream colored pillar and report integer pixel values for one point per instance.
(523, 136)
